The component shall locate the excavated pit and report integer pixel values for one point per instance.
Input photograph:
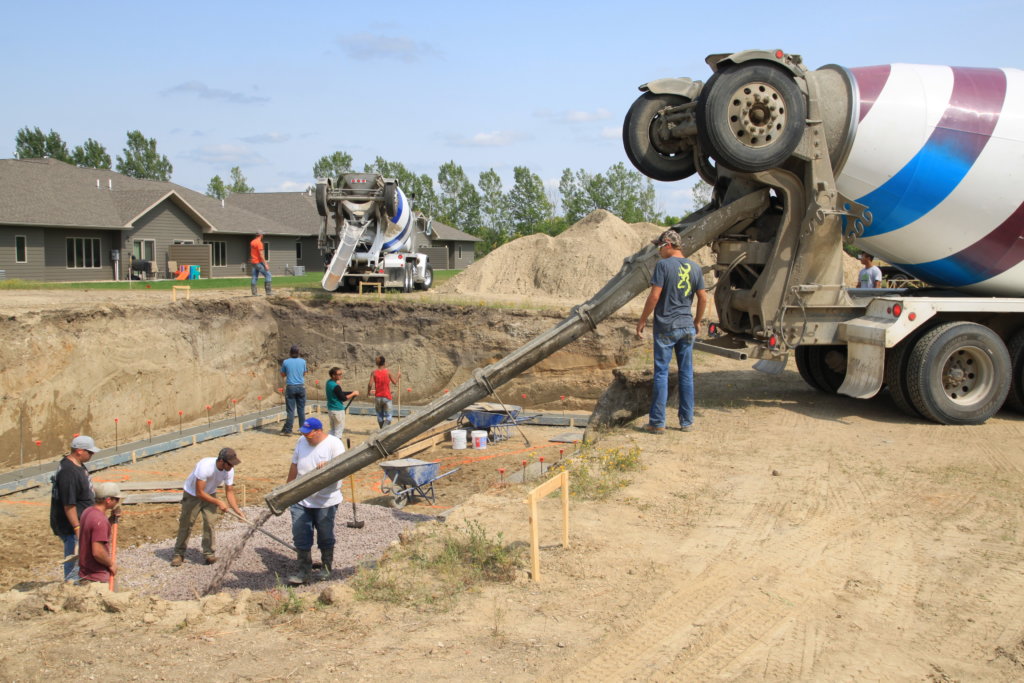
(67, 371)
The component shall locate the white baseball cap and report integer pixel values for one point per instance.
(85, 443)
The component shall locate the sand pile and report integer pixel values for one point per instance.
(571, 267)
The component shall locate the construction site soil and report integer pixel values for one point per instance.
(792, 536)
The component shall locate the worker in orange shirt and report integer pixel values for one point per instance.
(259, 264)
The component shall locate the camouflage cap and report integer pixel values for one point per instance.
(669, 237)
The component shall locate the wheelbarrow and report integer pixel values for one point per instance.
(498, 420)
(409, 476)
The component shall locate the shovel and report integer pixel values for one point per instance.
(355, 523)
(261, 529)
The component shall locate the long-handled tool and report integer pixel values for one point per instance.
(355, 523)
(261, 529)
(113, 547)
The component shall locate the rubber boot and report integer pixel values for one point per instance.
(267, 287)
(326, 565)
(255, 292)
(305, 569)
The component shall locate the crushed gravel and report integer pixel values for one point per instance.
(263, 563)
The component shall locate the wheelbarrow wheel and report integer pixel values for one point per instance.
(398, 501)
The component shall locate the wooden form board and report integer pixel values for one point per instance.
(559, 482)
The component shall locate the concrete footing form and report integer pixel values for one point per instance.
(39, 473)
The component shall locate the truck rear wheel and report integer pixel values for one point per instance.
(428, 279)
(1015, 399)
(896, 362)
(410, 278)
(959, 373)
(645, 135)
(802, 354)
(750, 117)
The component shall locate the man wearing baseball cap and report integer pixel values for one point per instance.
(315, 448)
(70, 497)
(95, 559)
(200, 496)
(676, 283)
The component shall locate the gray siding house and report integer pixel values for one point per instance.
(63, 223)
(59, 222)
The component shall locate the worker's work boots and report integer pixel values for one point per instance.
(326, 564)
(305, 572)
(267, 287)
(255, 292)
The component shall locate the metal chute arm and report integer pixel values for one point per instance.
(633, 278)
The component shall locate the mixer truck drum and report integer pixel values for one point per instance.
(750, 117)
(650, 145)
(391, 199)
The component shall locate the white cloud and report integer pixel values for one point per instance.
(369, 46)
(226, 155)
(205, 92)
(266, 138)
(575, 116)
(611, 133)
(292, 186)
(498, 138)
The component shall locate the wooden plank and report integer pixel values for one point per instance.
(418, 447)
(137, 498)
(150, 485)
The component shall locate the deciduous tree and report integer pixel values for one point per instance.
(217, 189)
(459, 201)
(528, 205)
(91, 154)
(141, 160)
(333, 165)
(239, 184)
(33, 143)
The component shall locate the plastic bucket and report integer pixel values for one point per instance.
(458, 439)
(479, 437)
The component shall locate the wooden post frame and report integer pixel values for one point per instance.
(562, 482)
(180, 288)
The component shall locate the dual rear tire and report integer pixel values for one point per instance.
(956, 373)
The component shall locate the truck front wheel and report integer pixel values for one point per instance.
(959, 373)
(428, 279)
(410, 278)
(750, 117)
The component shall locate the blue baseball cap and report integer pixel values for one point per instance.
(311, 424)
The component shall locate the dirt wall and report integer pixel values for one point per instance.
(70, 371)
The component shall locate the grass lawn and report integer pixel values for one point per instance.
(309, 280)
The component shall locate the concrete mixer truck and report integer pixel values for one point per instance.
(366, 234)
(921, 165)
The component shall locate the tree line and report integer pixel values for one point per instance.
(485, 209)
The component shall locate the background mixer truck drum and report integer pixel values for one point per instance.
(646, 135)
(751, 117)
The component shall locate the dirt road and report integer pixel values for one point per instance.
(793, 536)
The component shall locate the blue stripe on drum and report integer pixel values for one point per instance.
(400, 238)
(947, 156)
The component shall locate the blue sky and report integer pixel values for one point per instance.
(271, 87)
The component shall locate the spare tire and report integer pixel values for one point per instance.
(647, 141)
(751, 117)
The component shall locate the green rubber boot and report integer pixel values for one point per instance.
(305, 572)
(326, 565)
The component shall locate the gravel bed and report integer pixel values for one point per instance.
(263, 563)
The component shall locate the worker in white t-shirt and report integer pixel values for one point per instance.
(314, 449)
(870, 276)
(200, 496)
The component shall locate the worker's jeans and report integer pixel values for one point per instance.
(667, 342)
(305, 520)
(294, 400)
(337, 422)
(260, 269)
(71, 566)
(383, 408)
(191, 507)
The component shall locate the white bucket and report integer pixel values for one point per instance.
(458, 439)
(479, 437)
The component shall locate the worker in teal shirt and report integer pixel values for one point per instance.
(336, 401)
(293, 370)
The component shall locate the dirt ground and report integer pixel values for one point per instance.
(792, 536)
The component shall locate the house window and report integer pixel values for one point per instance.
(83, 252)
(184, 241)
(220, 252)
(298, 251)
(459, 250)
(144, 250)
(20, 249)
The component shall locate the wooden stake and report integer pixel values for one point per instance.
(561, 481)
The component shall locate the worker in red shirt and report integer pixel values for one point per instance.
(379, 387)
(259, 264)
